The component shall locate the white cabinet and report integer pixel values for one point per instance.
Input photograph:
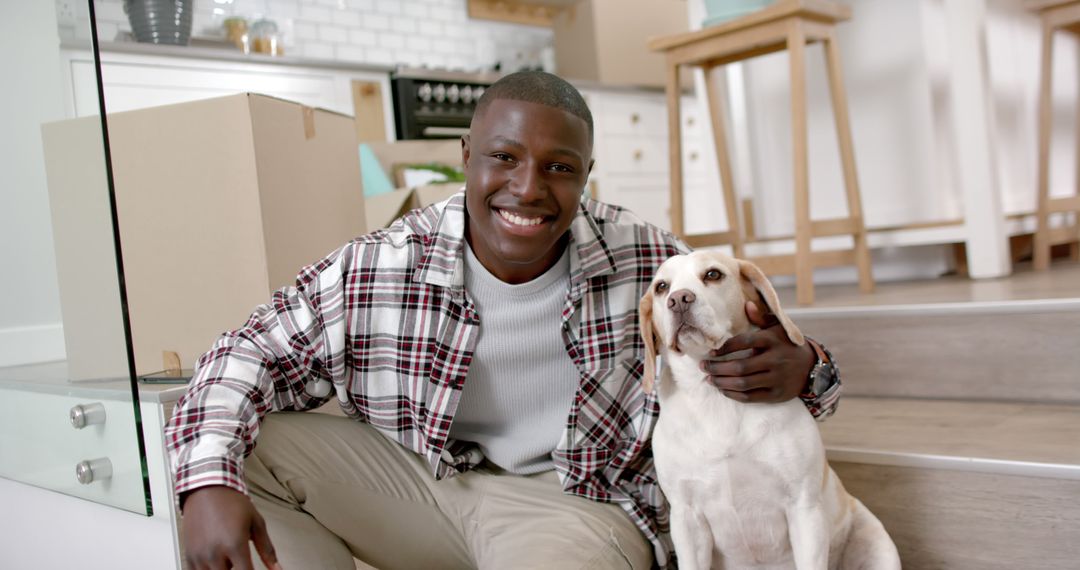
(632, 162)
(141, 76)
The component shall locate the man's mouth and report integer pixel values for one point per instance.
(520, 220)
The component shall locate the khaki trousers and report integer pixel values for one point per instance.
(331, 489)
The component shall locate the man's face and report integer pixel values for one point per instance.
(525, 167)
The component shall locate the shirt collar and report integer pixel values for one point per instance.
(443, 263)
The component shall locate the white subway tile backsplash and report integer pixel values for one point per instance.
(350, 53)
(305, 31)
(346, 18)
(419, 44)
(333, 34)
(361, 5)
(381, 56)
(391, 7)
(363, 38)
(391, 41)
(317, 50)
(283, 9)
(436, 33)
(403, 25)
(432, 29)
(313, 13)
(445, 46)
(375, 21)
(109, 12)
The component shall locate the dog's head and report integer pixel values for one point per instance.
(696, 302)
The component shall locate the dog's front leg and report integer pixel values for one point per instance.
(808, 528)
(692, 537)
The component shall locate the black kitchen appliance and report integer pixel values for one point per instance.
(435, 104)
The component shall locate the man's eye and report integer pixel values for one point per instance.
(713, 275)
(561, 168)
(502, 156)
(661, 286)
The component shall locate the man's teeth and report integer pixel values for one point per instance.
(518, 220)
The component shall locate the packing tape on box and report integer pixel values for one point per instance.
(309, 122)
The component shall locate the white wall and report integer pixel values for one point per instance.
(30, 328)
(436, 33)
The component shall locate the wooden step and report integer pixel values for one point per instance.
(965, 484)
(1027, 350)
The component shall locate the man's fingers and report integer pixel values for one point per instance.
(737, 367)
(755, 396)
(741, 383)
(263, 546)
(745, 341)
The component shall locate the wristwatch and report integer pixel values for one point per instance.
(822, 375)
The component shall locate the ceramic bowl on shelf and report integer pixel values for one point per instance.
(160, 21)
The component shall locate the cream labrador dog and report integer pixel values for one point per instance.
(748, 484)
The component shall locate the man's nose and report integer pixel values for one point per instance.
(680, 301)
(528, 185)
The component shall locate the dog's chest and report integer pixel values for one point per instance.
(706, 445)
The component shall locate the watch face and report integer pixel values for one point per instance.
(822, 377)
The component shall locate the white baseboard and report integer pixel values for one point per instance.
(31, 345)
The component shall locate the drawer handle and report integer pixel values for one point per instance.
(93, 470)
(635, 118)
(84, 415)
(690, 122)
(638, 154)
(693, 156)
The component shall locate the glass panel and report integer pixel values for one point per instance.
(68, 418)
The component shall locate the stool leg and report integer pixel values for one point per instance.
(804, 261)
(675, 150)
(717, 114)
(847, 159)
(1042, 231)
(1074, 247)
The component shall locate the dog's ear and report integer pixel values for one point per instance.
(752, 274)
(648, 336)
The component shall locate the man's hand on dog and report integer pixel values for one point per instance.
(776, 370)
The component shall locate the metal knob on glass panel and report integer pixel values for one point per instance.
(84, 415)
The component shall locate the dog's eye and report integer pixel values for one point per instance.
(661, 286)
(713, 275)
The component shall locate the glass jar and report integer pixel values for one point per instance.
(265, 37)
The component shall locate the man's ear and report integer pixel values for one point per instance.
(648, 336)
(465, 152)
(592, 161)
(752, 274)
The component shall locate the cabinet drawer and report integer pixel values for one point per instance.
(632, 115)
(648, 200)
(39, 446)
(636, 155)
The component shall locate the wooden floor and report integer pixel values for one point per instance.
(1061, 281)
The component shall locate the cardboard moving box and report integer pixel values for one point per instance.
(383, 209)
(220, 202)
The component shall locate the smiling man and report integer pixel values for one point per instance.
(486, 353)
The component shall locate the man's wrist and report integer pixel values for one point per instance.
(822, 375)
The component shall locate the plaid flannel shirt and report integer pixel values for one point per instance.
(385, 325)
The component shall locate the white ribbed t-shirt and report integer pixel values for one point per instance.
(521, 381)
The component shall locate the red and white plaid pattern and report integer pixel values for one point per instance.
(385, 324)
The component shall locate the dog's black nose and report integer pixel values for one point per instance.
(680, 300)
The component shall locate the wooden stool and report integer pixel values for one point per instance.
(1056, 15)
(786, 25)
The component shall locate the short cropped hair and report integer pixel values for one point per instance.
(538, 87)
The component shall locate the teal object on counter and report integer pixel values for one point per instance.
(720, 11)
(372, 175)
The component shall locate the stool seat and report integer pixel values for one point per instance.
(784, 25)
(1056, 15)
